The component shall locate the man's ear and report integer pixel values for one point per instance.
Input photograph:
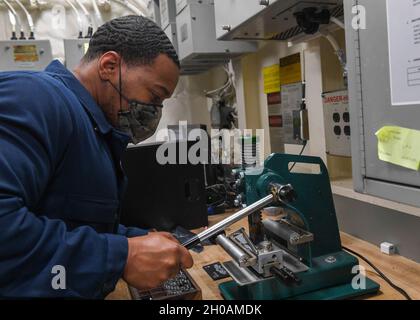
(108, 66)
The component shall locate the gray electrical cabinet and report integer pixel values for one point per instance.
(230, 14)
(197, 41)
(167, 12)
(384, 90)
(32, 55)
(153, 11)
(186, 68)
(181, 4)
(254, 19)
(74, 50)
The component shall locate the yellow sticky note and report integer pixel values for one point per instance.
(271, 79)
(400, 146)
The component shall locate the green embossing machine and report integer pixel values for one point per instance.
(299, 255)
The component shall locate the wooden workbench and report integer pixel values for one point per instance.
(403, 272)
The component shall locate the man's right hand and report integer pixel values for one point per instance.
(153, 259)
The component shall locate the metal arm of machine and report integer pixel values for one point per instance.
(279, 193)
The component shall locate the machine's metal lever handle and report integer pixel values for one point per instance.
(191, 243)
(222, 225)
(279, 193)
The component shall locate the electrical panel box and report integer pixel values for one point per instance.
(337, 123)
(181, 4)
(197, 41)
(292, 115)
(74, 50)
(383, 65)
(186, 68)
(153, 11)
(274, 19)
(25, 55)
(167, 12)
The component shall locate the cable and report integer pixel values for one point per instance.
(379, 272)
(97, 12)
(133, 8)
(29, 18)
(223, 87)
(302, 107)
(300, 153)
(332, 40)
(338, 22)
(130, 6)
(340, 53)
(78, 17)
(14, 19)
(141, 5)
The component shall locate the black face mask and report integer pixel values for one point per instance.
(141, 119)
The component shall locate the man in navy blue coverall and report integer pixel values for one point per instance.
(61, 181)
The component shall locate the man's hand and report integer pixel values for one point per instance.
(153, 259)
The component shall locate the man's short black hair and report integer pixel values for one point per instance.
(137, 39)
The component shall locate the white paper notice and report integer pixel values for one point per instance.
(404, 50)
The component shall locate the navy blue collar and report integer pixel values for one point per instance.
(90, 105)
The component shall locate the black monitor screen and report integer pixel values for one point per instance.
(162, 196)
